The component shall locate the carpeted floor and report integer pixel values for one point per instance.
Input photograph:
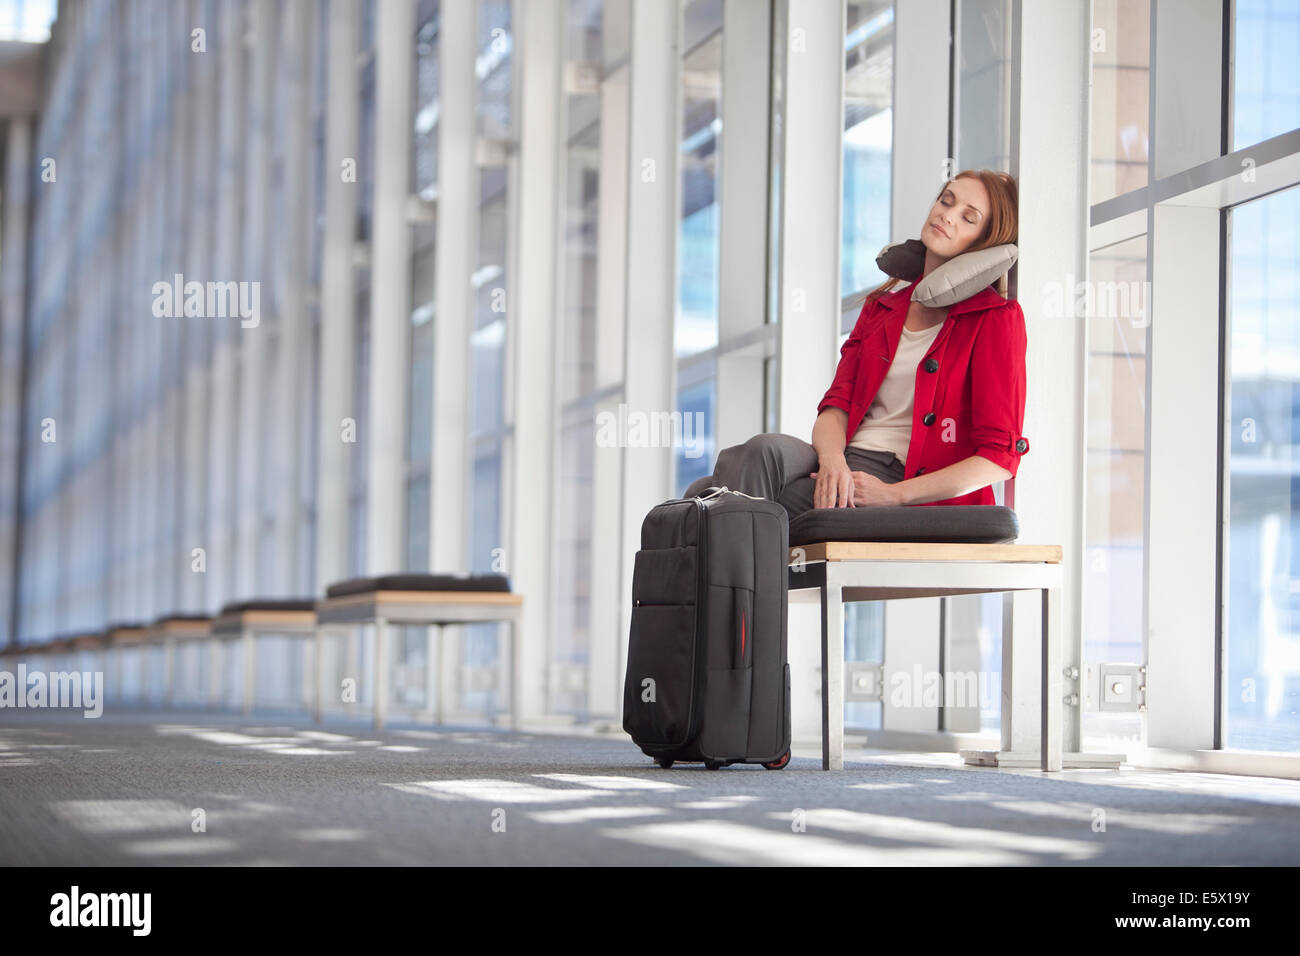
(131, 789)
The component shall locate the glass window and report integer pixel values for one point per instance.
(580, 333)
(1266, 77)
(984, 79)
(424, 141)
(868, 142)
(360, 404)
(697, 243)
(494, 68)
(1121, 76)
(581, 340)
(696, 400)
(696, 327)
(1115, 477)
(1261, 683)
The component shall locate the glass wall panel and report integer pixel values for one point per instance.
(424, 184)
(1121, 78)
(494, 68)
(868, 142)
(1266, 78)
(1261, 680)
(697, 401)
(1114, 554)
(582, 339)
(696, 326)
(697, 242)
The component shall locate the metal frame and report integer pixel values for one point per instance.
(117, 639)
(244, 626)
(167, 631)
(416, 609)
(838, 580)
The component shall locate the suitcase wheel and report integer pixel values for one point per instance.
(714, 764)
(665, 762)
(778, 764)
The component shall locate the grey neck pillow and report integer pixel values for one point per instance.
(956, 280)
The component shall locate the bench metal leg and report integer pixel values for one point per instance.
(169, 672)
(514, 672)
(430, 669)
(216, 660)
(442, 683)
(303, 649)
(318, 703)
(250, 669)
(381, 672)
(832, 671)
(1052, 702)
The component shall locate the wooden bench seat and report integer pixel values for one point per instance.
(837, 571)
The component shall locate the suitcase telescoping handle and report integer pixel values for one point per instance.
(715, 490)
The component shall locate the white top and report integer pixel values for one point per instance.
(887, 426)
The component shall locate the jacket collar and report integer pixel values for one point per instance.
(986, 298)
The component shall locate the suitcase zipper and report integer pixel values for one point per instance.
(693, 708)
(701, 640)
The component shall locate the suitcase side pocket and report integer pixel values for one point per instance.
(659, 688)
(665, 576)
(660, 692)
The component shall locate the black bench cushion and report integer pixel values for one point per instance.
(421, 582)
(964, 524)
(269, 604)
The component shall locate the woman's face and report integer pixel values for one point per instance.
(957, 219)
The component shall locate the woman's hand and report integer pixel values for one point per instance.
(868, 491)
(834, 484)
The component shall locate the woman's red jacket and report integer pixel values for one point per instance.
(970, 385)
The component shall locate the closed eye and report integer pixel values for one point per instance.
(968, 219)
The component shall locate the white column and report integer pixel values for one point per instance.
(457, 238)
(292, 124)
(1182, 608)
(249, 576)
(919, 164)
(811, 159)
(649, 367)
(811, 174)
(390, 289)
(743, 186)
(196, 381)
(530, 383)
(1051, 157)
(338, 296)
(458, 191)
(605, 652)
(13, 283)
(173, 566)
(224, 443)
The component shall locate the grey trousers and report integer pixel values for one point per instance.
(776, 466)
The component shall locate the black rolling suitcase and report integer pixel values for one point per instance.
(707, 674)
